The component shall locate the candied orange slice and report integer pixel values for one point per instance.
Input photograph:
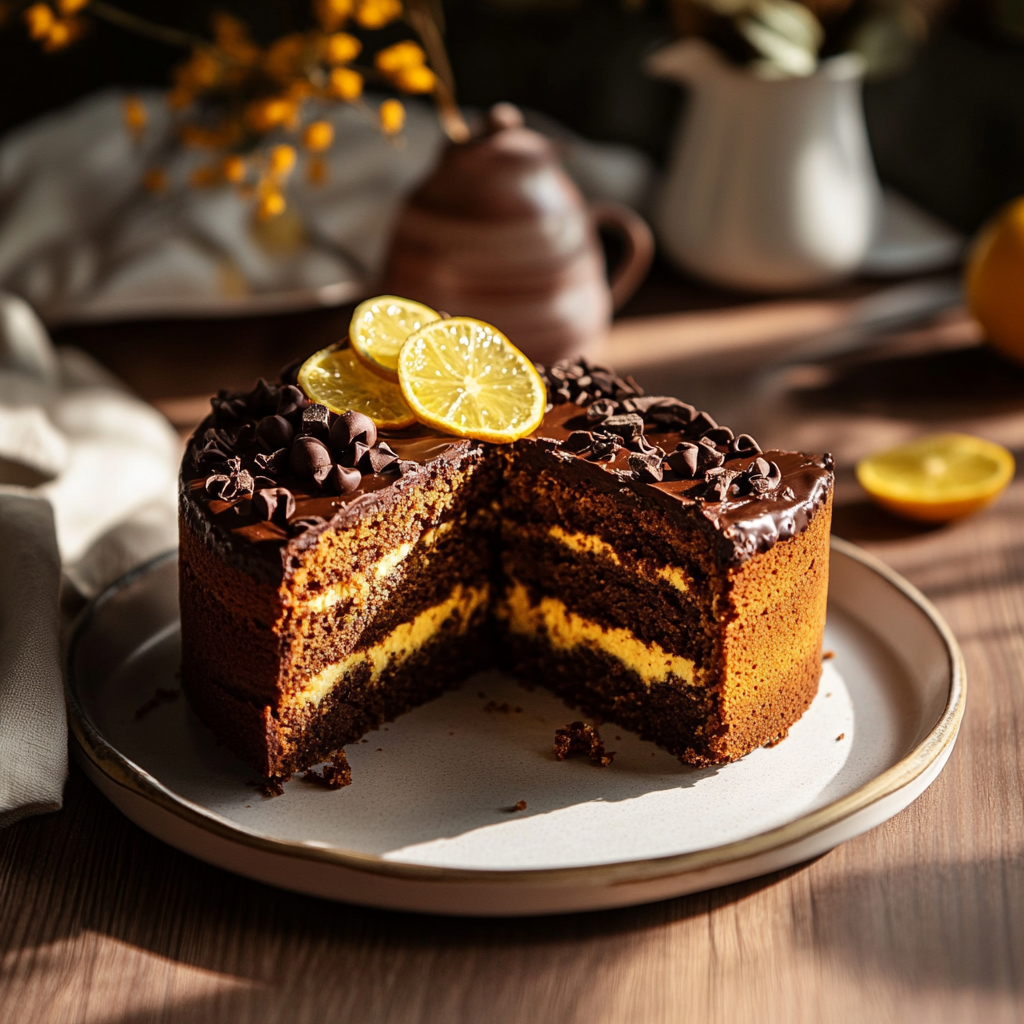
(465, 377)
(335, 377)
(380, 327)
(937, 478)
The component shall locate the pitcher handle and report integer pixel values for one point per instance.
(639, 245)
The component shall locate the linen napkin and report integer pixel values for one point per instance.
(87, 491)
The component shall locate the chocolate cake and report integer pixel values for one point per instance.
(630, 554)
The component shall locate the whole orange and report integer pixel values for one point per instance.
(995, 280)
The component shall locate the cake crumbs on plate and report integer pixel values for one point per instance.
(841, 736)
(336, 773)
(581, 740)
(826, 655)
(520, 805)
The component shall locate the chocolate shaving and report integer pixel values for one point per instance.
(602, 409)
(272, 462)
(718, 435)
(581, 740)
(700, 425)
(274, 504)
(647, 467)
(628, 426)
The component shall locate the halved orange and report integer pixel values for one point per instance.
(335, 377)
(465, 377)
(937, 478)
(380, 327)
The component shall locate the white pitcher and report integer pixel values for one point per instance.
(770, 186)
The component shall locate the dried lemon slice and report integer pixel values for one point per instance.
(336, 378)
(380, 326)
(465, 377)
(937, 478)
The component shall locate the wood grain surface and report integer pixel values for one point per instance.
(921, 919)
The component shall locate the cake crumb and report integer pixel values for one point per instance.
(518, 710)
(826, 655)
(162, 696)
(336, 773)
(503, 709)
(271, 787)
(520, 805)
(841, 736)
(481, 694)
(579, 739)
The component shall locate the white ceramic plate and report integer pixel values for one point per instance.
(428, 824)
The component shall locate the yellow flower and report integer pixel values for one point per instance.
(318, 136)
(271, 204)
(69, 7)
(155, 180)
(284, 58)
(39, 19)
(346, 84)
(402, 55)
(341, 47)
(378, 13)
(417, 79)
(233, 169)
(281, 160)
(60, 35)
(135, 115)
(266, 114)
(333, 13)
(392, 117)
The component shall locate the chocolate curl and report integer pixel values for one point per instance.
(274, 504)
(718, 435)
(579, 441)
(602, 409)
(629, 426)
(743, 444)
(647, 467)
(272, 462)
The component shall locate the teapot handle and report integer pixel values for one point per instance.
(639, 245)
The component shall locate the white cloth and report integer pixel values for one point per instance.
(81, 239)
(88, 480)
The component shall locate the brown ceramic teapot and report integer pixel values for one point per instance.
(499, 231)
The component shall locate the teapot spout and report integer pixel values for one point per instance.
(685, 61)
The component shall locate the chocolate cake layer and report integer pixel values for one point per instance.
(649, 565)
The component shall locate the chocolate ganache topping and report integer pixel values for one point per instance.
(270, 466)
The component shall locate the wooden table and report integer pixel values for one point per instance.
(921, 919)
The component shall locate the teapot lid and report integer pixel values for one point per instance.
(505, 172)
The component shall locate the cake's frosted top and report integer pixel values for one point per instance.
(267, 466)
